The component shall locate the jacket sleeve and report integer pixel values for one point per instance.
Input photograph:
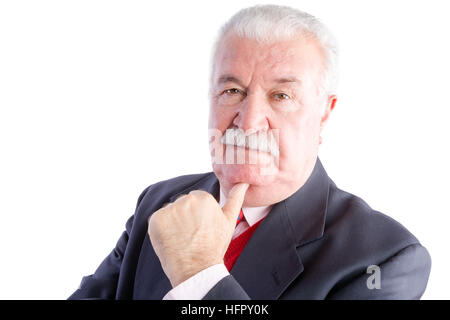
(227, 289)
(103, 283)
(403, 276)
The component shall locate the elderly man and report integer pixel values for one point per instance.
(267, 223)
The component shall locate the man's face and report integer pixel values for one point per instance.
(264, 88)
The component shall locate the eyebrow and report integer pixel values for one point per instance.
(230, 78)
(287, 79)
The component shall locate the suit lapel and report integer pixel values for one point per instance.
(270, 261)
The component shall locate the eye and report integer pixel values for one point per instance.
(232, 91)
(231, 96)
(281, 96)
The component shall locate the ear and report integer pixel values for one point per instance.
(330, 104)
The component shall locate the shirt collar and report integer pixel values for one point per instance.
(252, 214)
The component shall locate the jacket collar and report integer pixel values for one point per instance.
(307, 208)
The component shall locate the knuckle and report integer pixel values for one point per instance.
(165, 205)
(153, 219)
(180, 197)
(200, 194)
(157, 217)
(190, 196)
(184, 200)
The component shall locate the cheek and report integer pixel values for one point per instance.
(299, 134)
(220, 118)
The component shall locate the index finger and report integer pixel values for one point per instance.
(235, 200)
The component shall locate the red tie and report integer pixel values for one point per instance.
(237, 244)
(240, 218)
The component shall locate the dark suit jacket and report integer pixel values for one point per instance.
(316, 244)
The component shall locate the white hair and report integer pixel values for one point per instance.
(269, 23)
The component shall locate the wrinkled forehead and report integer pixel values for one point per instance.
(299, 56)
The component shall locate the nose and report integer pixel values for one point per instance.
(252, 114)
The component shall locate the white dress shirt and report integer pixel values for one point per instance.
(197, 286)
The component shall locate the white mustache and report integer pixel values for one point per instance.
(264, 141)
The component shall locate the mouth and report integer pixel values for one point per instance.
(263, 141)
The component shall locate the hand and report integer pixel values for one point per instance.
(193, 233)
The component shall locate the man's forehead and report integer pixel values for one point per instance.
(233, 46)
(249, 52)
(280, 62)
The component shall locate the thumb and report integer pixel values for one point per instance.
(236, 197)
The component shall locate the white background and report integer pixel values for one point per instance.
(99, 99)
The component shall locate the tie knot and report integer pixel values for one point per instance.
(240, 218)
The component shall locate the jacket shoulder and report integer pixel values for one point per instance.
(359, 237)
(366, 230)
(178, 184)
